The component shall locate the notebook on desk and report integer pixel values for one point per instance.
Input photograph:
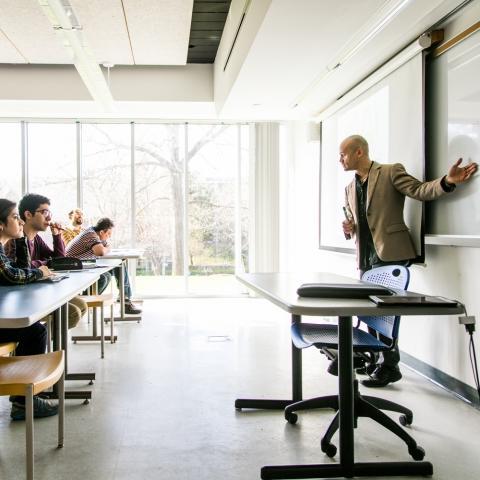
(56, 277)
(396, 300)
(342, 290)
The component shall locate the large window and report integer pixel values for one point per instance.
(178, 192)
(52, 164)
(159, 215)
(212, 167)
(106, 173)
(11, 148)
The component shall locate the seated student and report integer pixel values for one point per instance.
(30, 340)
(93, 242)
(76, 218)
(35, 212)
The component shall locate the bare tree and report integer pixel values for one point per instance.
(166, 154)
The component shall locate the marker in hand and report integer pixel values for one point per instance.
(347, 217)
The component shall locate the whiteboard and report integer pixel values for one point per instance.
(390, 115)
(453, 110)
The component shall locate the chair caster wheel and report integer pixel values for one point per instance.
(405, 420)
(417, 453)
(329, 449)
(86, 401)
(291, 418)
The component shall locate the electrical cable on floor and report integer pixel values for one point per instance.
(473, 361)
(470, 328)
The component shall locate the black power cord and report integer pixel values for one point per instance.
(473, 357)
(469, 323)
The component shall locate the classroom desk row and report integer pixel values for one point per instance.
(24, 305)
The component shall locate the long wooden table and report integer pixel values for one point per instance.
(280, 289)
(24, 305)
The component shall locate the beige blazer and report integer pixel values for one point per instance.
(388, 185)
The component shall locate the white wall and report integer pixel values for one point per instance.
(449, 271)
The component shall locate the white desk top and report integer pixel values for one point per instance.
(123, 253)
(23, 305)
(281, 289)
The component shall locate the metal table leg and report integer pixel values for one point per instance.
(263, 404)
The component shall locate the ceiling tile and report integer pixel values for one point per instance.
(29, 30)
(104, 30)
(159, 30)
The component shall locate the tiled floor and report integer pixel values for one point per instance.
(162, 404)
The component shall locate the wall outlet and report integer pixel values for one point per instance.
(467, 320)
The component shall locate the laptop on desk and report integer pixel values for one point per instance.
(415, 300)
(342, 290)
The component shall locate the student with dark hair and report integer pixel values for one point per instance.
(35, 212)
(92, 243)
(30, 340)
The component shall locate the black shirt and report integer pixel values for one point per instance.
(367, 253)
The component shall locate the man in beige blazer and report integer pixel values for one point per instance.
(374, 201)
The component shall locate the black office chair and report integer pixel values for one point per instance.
(365, 347)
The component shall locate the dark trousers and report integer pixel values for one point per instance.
(30, 340)
(105, 278)
(389, 358)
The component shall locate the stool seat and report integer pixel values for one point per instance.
(101, 301)
(30, 375)
(7, 348)
(93, 301)
(40, 371)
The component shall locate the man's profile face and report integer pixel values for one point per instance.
(105, 234)
(348, 156)
(40, 219)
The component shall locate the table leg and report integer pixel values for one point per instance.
(122, 290)
(122, 317)
(347, 467)
(345, 394)
(60, 341)
(263, 404)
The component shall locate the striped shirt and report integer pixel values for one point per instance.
(81, 245)
(10, 274)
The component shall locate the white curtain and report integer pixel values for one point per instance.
(265, 234)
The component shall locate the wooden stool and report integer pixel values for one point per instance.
(28, 376)
(100, 301)
(7, 348)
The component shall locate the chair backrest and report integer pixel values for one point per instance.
(394, 276)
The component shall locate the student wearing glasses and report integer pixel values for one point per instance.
(35, 212)
(30, 340)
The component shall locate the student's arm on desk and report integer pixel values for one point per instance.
(100, 249)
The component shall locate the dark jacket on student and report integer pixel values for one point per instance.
(17, 273)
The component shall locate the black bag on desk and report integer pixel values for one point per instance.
(65, 263)
(341, 290)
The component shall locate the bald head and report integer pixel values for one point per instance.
(355, 142)
(354, 153)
